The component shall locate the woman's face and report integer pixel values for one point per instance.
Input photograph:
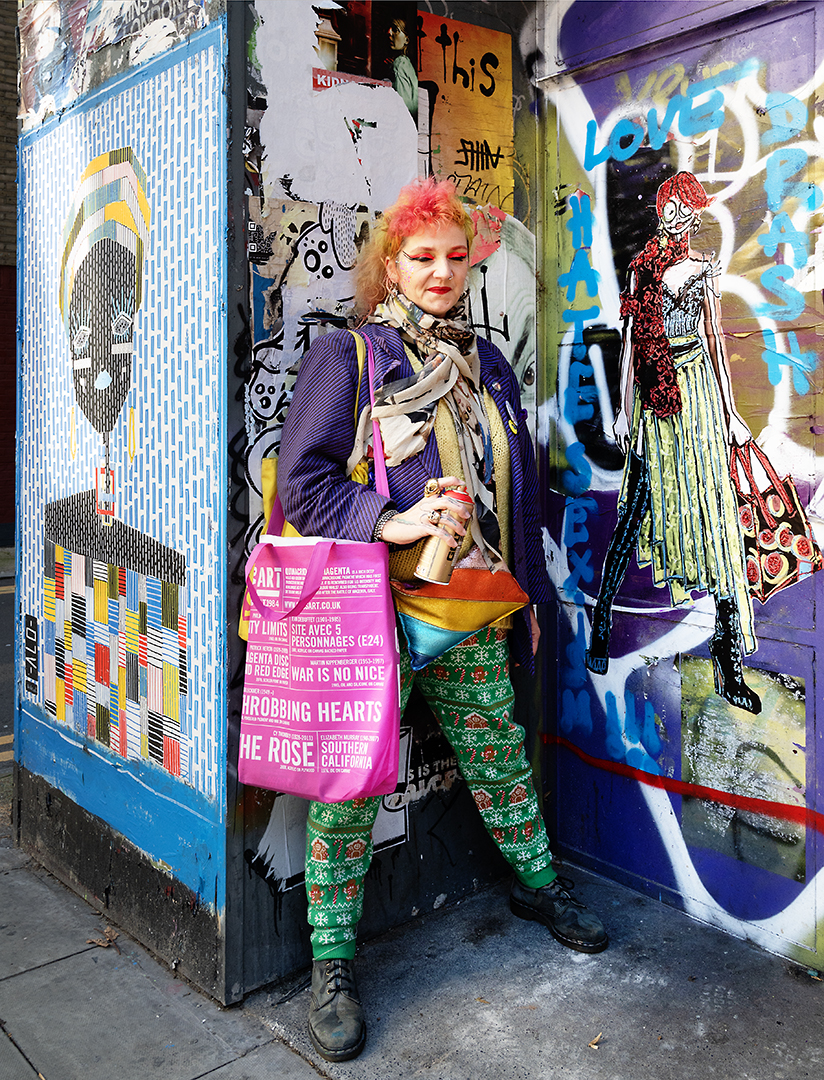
(397, 37)
(431, 268)
(676, 217)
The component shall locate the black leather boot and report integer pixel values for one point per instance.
(566, 918)
(725, 650)
(336, 1024)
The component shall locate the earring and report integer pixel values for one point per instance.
(390, 286)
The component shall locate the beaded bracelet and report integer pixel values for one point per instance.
(387, 515)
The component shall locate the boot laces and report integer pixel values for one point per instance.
(565, 886)
(339, 977)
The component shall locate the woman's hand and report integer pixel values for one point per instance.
(427, 515)
(620, 430)
(738, 433)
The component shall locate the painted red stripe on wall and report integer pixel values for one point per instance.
(802, 815)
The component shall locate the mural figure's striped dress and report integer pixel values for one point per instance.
(690, 536)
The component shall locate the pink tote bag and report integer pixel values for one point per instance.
(321, 708)
(321, 691)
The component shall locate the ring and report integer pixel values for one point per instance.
(431, 487)
(435, 516)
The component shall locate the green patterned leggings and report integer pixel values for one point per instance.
(469, 691)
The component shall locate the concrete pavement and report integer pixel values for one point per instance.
(462, 993)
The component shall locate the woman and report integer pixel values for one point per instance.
(676, 422)
(412, 280)
(404, 76)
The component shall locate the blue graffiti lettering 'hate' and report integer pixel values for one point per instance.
(773, 280)
(578, 318)
(580, 224)
(576, 479)
(788, 117)
(579, 272)
(801, 363)
(579, 396)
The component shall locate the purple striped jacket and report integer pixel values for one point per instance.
(318, 436)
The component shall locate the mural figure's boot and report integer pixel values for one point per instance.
(725, 650)
(336, 1024)
(616, 562)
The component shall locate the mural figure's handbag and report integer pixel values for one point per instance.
(778, 541)
(321, 694)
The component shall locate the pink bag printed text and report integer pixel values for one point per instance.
(321, 709)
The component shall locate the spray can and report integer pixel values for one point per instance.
(437, 557)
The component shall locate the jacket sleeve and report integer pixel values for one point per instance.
(318, 436)
(527, 517)
(540, 589)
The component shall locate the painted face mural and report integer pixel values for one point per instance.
(101, 282)
(101, 315)
(99, 677)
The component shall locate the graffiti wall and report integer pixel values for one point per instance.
(120, 491)
(684, 457)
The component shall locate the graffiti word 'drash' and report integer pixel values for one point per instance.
(788, 117)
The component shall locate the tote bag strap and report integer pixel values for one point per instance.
(743, 455)
(772, 475)
(381, 479)
(311, 583)
(277, 518)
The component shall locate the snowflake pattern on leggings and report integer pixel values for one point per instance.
(470, 693)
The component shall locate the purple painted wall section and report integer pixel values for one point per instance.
(592, 30)
(667, 783)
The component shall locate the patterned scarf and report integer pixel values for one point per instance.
(406, 408)
(654, 368)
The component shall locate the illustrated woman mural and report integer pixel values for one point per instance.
(99, 676)
(101, 279)
(676, 423)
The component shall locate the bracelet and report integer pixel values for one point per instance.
(387, 515)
